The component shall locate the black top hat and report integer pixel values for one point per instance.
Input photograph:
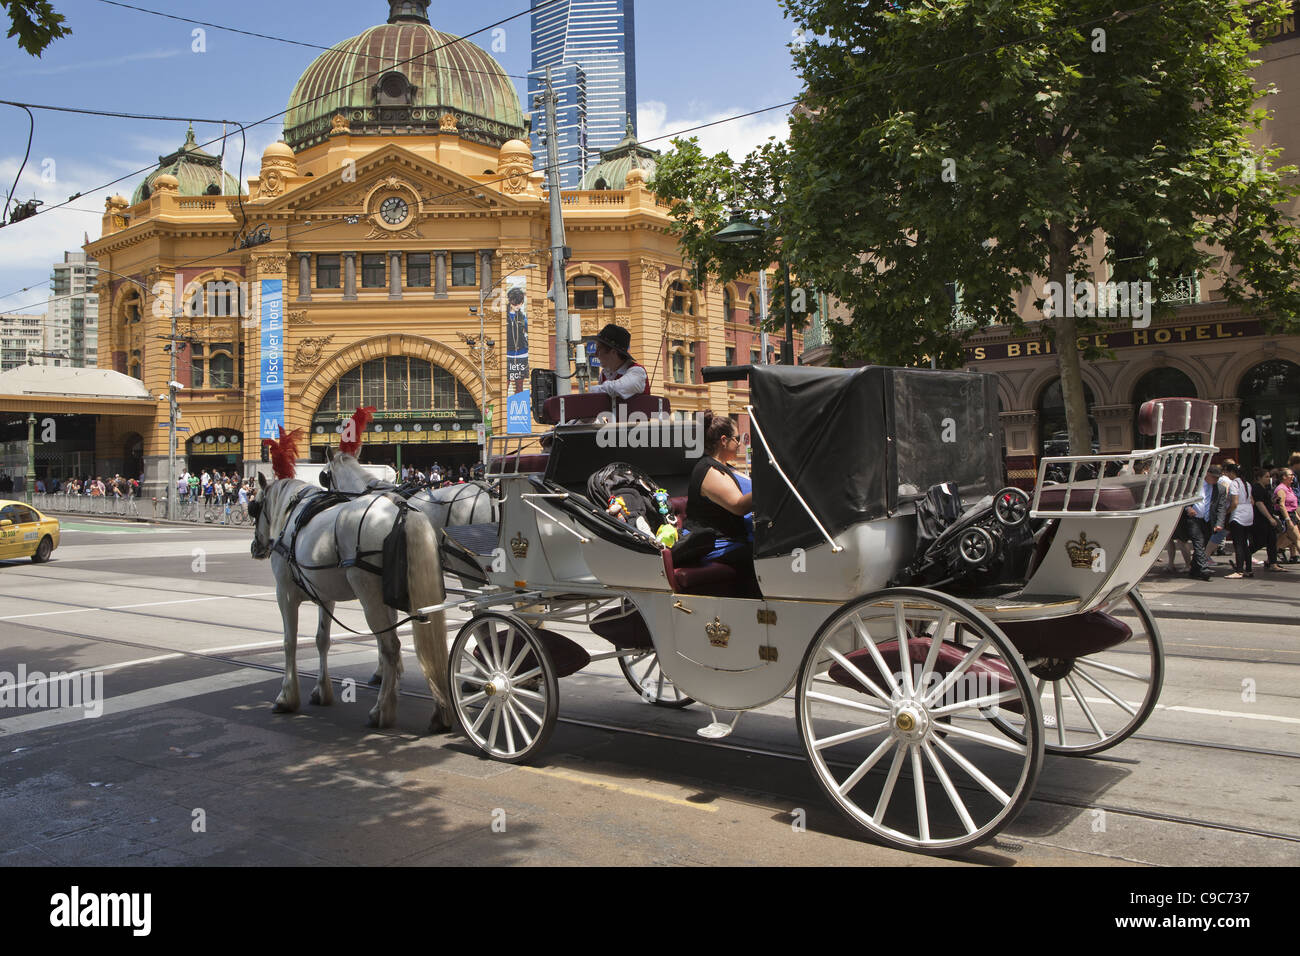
(617, 338)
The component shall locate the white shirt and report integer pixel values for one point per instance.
(626, 381)
(1244, 513)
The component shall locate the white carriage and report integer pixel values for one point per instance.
(1019, 619)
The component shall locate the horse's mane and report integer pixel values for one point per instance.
(284, 453)
(360, 419)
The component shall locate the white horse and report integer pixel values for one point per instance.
(318, 562)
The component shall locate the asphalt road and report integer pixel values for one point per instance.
(188, 765)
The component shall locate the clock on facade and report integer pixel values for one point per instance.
(394, 210)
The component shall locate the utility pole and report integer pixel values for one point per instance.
(559, 288)
(762, 312)
(174, 342)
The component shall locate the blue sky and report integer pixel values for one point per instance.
(697, 61)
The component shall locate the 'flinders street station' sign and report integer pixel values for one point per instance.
(1120, 339)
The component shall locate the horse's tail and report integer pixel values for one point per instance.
(425, 586)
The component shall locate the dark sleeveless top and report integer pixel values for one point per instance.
(702, 513)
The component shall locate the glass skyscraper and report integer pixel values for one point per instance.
(591, 49)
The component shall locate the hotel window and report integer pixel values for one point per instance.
(462, 269)
(221, 367)
(372, 270)
(753, 309)
(680, 301)
(683, 358)
(327, 272)
(417, 270)
(196, 365)
(728, 306)
(590, 293)
(731, 360)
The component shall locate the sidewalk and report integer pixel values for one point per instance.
(1270, 597)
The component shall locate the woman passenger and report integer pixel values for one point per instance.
(718, 501)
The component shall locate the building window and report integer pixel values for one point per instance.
(221, 367)
(728, 306)
(372, 270)
(327, 272)
(590, 293)
(462, 269)
(1160, 383)
(196, 365)
(683, 362)
(1053, 432)
(417, 270)
(753, 309)
(398, 384)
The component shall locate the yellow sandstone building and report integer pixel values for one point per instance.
(403, 197)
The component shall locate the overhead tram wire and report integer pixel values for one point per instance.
(386, 69)
(671, 135)
(31, 131)
(278, 39)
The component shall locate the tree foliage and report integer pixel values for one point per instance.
(987, 143)
(34, 23)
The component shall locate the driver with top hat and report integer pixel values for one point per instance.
(619, 374)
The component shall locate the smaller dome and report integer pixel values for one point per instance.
(512, 146)
(166, 183)
(197, 173)
(278, 150)
(115, 202)
(636, 176)
(615, 164)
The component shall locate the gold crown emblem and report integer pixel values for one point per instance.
(1150, 541)
(519, 545)
(719, 633)
(1081, 551)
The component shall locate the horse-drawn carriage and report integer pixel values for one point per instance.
(939, 631)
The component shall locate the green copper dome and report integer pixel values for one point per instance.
(401, 78)
(199, 173)
(611, 172)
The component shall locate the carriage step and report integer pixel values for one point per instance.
(718, 729)
(474, 538)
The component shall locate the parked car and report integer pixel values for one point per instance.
(25, 532)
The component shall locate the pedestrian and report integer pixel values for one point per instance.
(1215, 547)
(195, 487)
(1203, 519)
(1241, 520)
(1284, 494)
(1266, 519)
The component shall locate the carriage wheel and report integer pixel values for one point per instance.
(649, 680)
(503, 687)
(904, 751)
(1092, 703)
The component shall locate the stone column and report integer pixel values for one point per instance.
(440, 275)
(394, 275)
(350, 276)
(304, 277)
(1114, 428)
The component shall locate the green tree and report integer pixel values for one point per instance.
(986, 144)
(35, 24)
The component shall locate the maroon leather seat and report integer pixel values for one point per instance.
(521, 464)
(1180, 415)
(567, 408)
(1116, 495)
(712, 578)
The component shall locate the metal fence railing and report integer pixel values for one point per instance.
(197, 511)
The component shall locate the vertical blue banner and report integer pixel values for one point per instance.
(271, 376)
(519, 413)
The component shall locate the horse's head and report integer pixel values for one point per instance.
(345, 473)
(266, 512)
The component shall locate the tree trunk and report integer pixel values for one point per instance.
(1067, 352)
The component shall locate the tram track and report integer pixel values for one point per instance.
(1056, 800)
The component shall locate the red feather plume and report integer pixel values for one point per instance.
(360, 419)
(284, 453)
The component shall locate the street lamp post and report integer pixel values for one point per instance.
(739, 231)
(30, 483)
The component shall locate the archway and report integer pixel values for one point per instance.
(1053, 433)
(1270, 413)
(1159, 383)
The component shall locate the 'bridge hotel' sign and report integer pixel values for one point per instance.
(1286, 30)
(1122, 339)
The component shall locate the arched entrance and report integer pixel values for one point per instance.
(1160, 383)
(1053, 433)
(1270, 399)
(133, 455)
(425, 415)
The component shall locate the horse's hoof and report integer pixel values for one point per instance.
(439, 726)
(376, 679)
(280, 707)
(321, 700)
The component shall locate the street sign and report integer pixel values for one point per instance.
(519, 413)
(179, 428)
(481, 432)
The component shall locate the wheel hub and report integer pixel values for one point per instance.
(910, 721)
(1051, 668)
(498, 684)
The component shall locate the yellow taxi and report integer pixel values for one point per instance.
(25, 532)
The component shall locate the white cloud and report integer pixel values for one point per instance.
(735, 137)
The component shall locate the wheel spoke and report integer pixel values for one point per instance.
(654, 659)
(860, 677)
(956, 672)
(904, 649)
(487, 709)
(528, 710)
(530, 695)
(863, 768)
(477, 663)
(975, 703)
(936, 639)
(524, 735)
(974, 772)
(890, 779)
(510, 645)
(492, 734)
(519, 659)
(845, 702)
(529, 675)
(874, 651)
(1060, 715)
(474, 699)
(848, 735)
(918, 785)
(510, 733)
(659, 686)
(1087, 711)
(1112, 669)
(488, 647)
(953, 797)
(996, 742)
(1123, 705)
(460, 675)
